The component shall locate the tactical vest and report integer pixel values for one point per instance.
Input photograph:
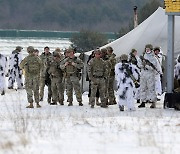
(70, 69)
(98, 68)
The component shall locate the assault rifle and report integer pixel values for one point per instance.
(129, 73)
(149, 63)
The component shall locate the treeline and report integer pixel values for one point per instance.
(71, 15)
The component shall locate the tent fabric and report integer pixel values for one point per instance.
(152, 31)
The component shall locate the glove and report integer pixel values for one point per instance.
(143, 63)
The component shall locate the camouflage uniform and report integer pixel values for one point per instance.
(31, 77)
(147, 79)
(112, 60)
(15, 73)
(108, 66)
(3, 72)
(71, 74)
(177, 70)
(44, 76)
(97, 72)
(56, 76)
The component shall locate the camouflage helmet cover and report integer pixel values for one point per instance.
(133, 50)
(109, 48)
(149, 46)
(56, 54)
(19, 48)
(30, 49)
(157, 48)
(97, 51)
(124, 57)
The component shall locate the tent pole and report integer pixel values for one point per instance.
(170, 54)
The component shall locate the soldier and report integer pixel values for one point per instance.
(111, 58)
(32, 65)
(158, 86)
(87, 79)
(36, 52)
(71, 66)
(46, 58)
(108, 66)
(97, 73)
(177, 70)
(126, 75)
(56, 76)
(3, 72)
(147, 80)
(15, 73)
(135, 60)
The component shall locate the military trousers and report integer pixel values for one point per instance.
(110, 94)
(72, 82)
(98, 83)
(57, 88)
(32, 88)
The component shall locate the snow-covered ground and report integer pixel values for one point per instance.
(82, 130)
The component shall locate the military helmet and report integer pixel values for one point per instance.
(124, 57)
(178, 59)
(58, 49)
(109, 48)
(30, 49)
(70, 50)
(19, 48)
(133, 50)
(157, 48)
(149, 46)
(56, 54)
(104, 50)
(97, 51)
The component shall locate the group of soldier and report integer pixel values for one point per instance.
(135, 77)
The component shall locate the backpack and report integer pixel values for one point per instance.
(33, 65)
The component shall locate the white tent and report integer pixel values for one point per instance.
(153, 30)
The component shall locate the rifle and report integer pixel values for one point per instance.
(129, 73)
(149, 63)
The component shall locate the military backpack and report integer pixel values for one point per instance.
(33, 65)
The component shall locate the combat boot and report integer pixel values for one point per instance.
(10, 87)
(70, 104)
(104, 105)
(141, 105)
(30, 105)
(3, 92)
(54, 103)
(121, 107)
(177, 107)
(38, 106)
(114, 102)
(80, 104)
(138, 101)
(153, 105)
(92, 106)
(61, 103)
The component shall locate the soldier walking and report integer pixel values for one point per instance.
(71, 66)
(32, 65)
